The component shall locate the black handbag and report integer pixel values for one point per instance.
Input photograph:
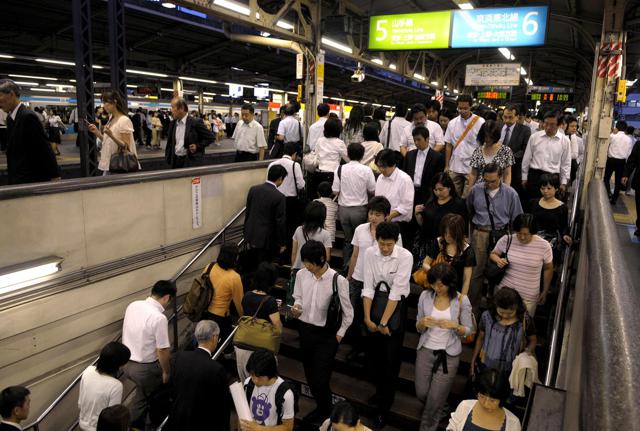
(379, 304)
(492, 271)
(123, 162)
(556, 242)
(334, 312)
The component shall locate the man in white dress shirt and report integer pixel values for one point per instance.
(249, 137)
(319, 338)
(548, 151)
(316, 130)
(145, 332)
(620, 146)
(436, 138)
(395, 185)
(293, 182)
(393, 130)
(15, 402)
(353, 183)
(388, 266)
(577, 145)
(289, 129)
(461, 141)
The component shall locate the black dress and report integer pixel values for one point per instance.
(552, 225)
(459, 263)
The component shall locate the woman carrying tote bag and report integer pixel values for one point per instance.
(259, 304)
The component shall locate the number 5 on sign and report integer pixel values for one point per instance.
(530, 24)
(380, 28)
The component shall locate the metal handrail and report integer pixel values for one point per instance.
(563, 296)
(173, 318)
(215, 356)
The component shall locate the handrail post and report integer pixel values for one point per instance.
(175, 321)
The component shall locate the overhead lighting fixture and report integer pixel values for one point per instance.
(523, 72)
(46, 60)
(466, 6)
(445, 87)
(6, 56)
(265, 34)
(167, 89)
(295, 93)
(505, 52)
(97, 66)
(392, 66)
(434, 83)
(46, 90)
(131, 86)
(352, 101)
(336, 45)
(27, 83)
(337, 98)
(208, 94)
(72, 80)
(418, 76)
(455, 90)
(377, 61)
(236, 7)
(32, 77)
(59, 85)
(528, 81)
(29, 273)
(377, 104)
(631, 83)
(142, 72)
(168, 5)
(188, 78)
(285, 25)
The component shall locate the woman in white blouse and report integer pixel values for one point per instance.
(99, 386)
(330, 149)
(118, 133)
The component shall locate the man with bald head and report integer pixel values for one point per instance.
(187, 137)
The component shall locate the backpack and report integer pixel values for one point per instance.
(279, 398)
(199, 296)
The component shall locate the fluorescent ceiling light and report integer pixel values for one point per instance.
(295, 93)
(528, 81)
(131, 86)
(392, 66)
(142, 72)
(376, 104)
(523, 72)
(265, 34)
(434, 83)
(236, 7)
(352, 101)
(377, 61)
(631, 83)
(465, 5)
(28, 83)
(33, 77)
(336, 98)
(187, 78)
(97, 66)
(23, 275)
(446, 87)
(168, 5)
(455, 90)
(47, 90)
(6, 56)
(336, 45)
(72, 80)
(505, 52)
(208, 94)
(46, 60)
(59, 85)
(418, 76)
(167, 89)
(285, 25)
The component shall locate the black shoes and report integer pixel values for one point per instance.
(637, 233)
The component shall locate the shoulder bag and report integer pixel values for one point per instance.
(389, 134)
(300, 193)
(255, 334)
(472, 123)
(334, 312)
(492, 271)
(379, 304)
(123, 162)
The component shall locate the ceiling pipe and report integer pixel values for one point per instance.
(264, 41)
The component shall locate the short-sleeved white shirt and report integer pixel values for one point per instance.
(461, 155)
(249, 137)
(436, 137)
(289, 127)
(263, 404)
(363, 239)
(97, 392)
(145, 329)
(321, 235)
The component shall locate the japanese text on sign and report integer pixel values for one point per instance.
(507, 74)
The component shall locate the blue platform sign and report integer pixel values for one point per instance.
(499, 27)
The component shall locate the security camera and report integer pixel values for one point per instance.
(358, 74)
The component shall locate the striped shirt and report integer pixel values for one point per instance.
(332, 215)
(525, 265)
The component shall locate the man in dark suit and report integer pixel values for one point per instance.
(199, 385)
(187, 137)
(14, 407)
(265, 217)
(515, 136)
(30, 158)
(428, 163)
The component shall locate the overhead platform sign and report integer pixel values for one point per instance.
(477, 28)
(503, 74)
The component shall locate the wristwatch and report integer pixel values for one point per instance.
(382, 325)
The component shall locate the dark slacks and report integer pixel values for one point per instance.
(408, 231)
(148, 378)
(224, 322)
(3, 138)
(637, 207)
(244, 156)
(385, 353)
(357, 331)
(613, 166)
(294, 210)
(319, 348)
(315, 179)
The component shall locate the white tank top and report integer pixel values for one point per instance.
(437, 338)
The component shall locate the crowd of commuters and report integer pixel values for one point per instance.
(445, 203)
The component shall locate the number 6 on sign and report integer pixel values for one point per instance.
(529, 24)
(379, 27)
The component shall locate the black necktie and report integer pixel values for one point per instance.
(506, 137)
